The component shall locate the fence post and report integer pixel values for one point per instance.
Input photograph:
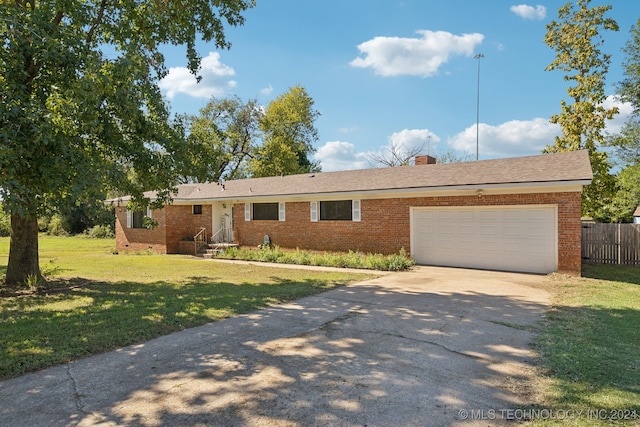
(619, 245)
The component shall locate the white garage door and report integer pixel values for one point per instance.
(510, 238)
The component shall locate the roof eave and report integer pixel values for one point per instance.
(494, 188)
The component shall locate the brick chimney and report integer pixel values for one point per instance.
(425, 160)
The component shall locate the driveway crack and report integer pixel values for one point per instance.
(437, 344)
(76, 394)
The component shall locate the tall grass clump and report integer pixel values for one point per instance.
(352, 259)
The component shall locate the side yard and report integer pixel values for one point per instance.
(589, 345)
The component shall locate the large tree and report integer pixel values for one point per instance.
(79, 102)
(576, 39)
(289, 132)
(627, 142)
(223, 135)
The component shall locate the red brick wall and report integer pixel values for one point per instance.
(184, 223)
(385, 225)
(140, 239)
(162, 239)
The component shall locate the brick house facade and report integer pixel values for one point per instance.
(383, 224)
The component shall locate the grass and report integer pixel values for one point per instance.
(112, 301)
(351, 259)
(590, 347)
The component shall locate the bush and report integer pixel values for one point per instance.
(5, 223)
(394, 262)
(57, 226)
(100, 232)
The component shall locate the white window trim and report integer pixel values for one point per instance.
(247, 211)
(355, 210)
(313, 208)
(281, 211)
(130, 216)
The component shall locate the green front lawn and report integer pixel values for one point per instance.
(117, 300)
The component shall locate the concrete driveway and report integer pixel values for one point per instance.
(429, 347)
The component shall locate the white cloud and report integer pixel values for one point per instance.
(215, 79)
(510, 139)
(348, 129)
(409, 139)
(625, 109)
(397, 56)
(340, 155)
(267, 90)
(529, 12)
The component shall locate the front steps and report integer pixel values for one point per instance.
(212, 249)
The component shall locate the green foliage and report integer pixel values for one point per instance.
(351, 259)
(629, 88)
(627, 196)
(454, 156)
(100, 232)
(576, 39)
(289, 134)
(80, 106)
(627, 143)
(57, 226)
(5, 223)
(223, 134)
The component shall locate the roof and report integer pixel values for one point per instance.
(637, 211)
(571, 168)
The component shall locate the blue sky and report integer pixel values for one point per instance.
(400, 71)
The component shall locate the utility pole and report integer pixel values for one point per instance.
(478, 57)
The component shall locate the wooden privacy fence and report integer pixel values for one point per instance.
(611, 244)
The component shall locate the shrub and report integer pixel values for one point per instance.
(394, 262)
(57, 226)
(5, 223)
(100, 232)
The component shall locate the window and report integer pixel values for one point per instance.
(136, 219)
(265, 211)
(197, 209)
(340, 210)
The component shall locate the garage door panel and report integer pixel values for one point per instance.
(486, 215)
(467, 230)
(444, 215)
(512, 231)
(515, 238)
(486, 230)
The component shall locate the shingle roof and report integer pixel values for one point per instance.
(637, 211)
(548, 168)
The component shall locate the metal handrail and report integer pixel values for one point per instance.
(200, 239)
(223, 235)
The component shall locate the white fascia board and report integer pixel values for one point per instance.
(457, 190)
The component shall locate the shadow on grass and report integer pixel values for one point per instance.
(94, 317)
(364, 355)
(593, 354)
(616, 273)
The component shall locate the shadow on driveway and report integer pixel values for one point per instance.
(425, 347)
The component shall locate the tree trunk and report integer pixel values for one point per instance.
(24, 262)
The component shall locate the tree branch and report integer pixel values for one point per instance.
(97, 22)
